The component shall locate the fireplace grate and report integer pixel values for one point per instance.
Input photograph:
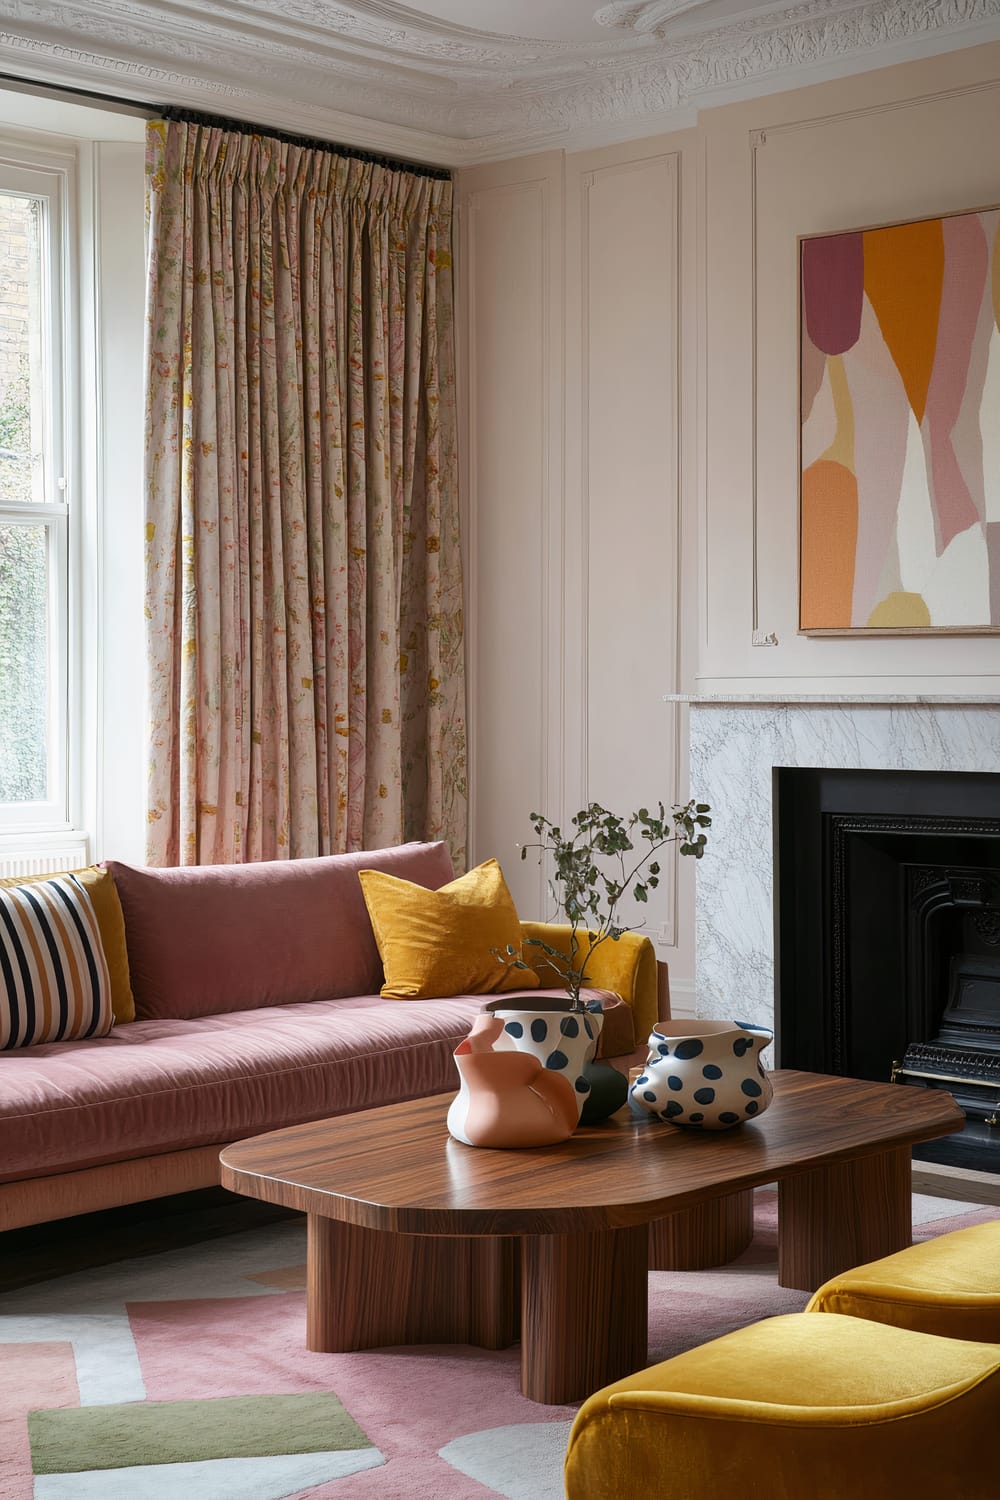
(887, 935)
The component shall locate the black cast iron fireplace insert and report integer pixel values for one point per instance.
(887, 936)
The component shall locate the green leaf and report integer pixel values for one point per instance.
(604, 859)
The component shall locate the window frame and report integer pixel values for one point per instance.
(50, 176)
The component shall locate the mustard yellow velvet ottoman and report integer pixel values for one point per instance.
(802, 1407)
(949, 1285)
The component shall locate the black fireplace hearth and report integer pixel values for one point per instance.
(887, 892)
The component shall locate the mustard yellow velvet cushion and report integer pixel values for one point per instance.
(437, 943)
(100, 887)
(800, 1407)
(949, 1286)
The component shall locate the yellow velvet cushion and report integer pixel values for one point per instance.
(437, 943)
(949, 1285)
(100, 887)
(795, 1406)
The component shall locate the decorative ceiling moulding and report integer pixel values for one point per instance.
(74, 68)
(417, 83)
(652, 18)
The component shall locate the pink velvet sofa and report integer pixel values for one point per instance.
(257, 1005)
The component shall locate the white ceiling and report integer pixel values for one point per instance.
(463, 81)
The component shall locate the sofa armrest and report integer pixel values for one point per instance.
(626, 967)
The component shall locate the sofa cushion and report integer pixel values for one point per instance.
(441, 942)
(165, 1085)
(100, 887)
(207, 939)
(54, 980)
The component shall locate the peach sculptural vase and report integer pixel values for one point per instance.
(507, 1097)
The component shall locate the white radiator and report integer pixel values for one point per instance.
(70, 854)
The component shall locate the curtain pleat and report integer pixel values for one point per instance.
(304, 584)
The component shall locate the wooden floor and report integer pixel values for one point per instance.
(43, 1251)
(956, 1182)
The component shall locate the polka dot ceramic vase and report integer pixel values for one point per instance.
(705, 1074)
(562, 1040)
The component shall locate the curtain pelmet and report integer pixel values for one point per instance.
(303, 564)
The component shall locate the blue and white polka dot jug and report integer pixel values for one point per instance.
(706, 1074)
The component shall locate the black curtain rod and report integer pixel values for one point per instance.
(243, 127)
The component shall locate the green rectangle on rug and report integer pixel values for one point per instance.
(71, 1440)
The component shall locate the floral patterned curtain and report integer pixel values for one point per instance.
(304, 580)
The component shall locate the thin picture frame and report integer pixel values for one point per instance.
(898, 339)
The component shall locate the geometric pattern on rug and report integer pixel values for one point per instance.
(519, 1462)
(188, 1371)
(177, 1432)
(269, 1478)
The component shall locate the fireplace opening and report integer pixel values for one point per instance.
(887, 936)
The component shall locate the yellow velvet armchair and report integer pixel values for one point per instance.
(808, 1406)
(949, 1285)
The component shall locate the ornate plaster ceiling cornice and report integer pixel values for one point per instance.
(418, 82)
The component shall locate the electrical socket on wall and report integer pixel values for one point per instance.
(762, 639)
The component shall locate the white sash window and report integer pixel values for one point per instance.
(36, 542)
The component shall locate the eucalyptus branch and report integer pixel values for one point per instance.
(584, 891)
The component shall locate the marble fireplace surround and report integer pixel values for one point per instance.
(736, 742)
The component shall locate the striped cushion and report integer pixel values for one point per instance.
(54, 983)
(100, 887)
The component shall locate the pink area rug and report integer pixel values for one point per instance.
(184, 1376)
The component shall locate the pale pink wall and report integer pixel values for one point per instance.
(897, 144)
(629, 326)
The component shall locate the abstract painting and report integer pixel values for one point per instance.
(900, 436)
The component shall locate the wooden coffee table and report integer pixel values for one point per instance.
(415, 1238)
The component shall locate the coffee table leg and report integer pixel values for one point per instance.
(704, 1235)
(368, 1288)
(842, 1215)
(584, 1310)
